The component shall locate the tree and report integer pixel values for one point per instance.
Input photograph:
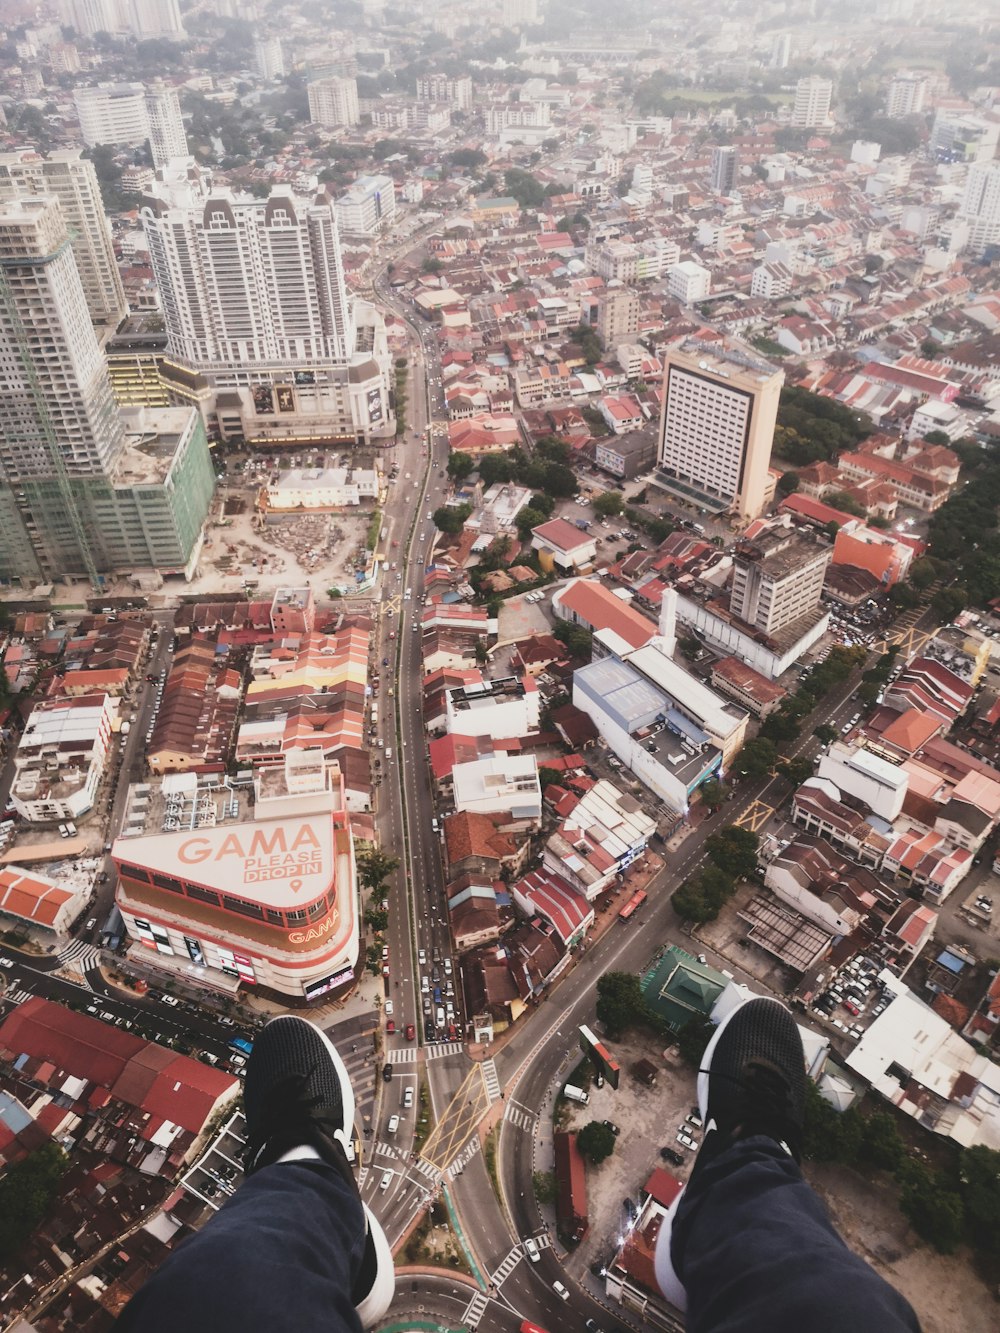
(375, 867)
(560, 480)
(460, 465)
(713, 793)
(923, 573)
(451, 518)
(431, 265)
(734, 851)
(526, 520)
(467, 157)
(377, 919)
(947, 602)
(703, 896)
(693, 1040)
(373, 959)
(544, 1185)
(788, 482)
(608, 505)
(981, 1197)
(542, 504)
(620, 1004)
(577, 638)
(757, 759)
(825, 733)
(596, 1141)
(26, 1193)
(881, 1144)
(546, 776)
(931, 1207)
(524, 187)
(796, 770)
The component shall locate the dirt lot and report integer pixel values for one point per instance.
(943, 1289)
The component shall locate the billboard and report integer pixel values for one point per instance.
(263, 399)
(314, 989)
(374, 402)
(602, 1059)
(285, 396)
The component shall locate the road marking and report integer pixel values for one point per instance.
(80, 955)
(436, 1051)
(402, 1055)
(491, 1080)
(463, 1159)
(525, 1120)
(428, 1169)
(475, 1310)
(18, 996)
(755, 816)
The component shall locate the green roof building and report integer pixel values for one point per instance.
(678, 988)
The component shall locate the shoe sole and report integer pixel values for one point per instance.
(346, 1090)
(663, 1266)
(378, 1300)
(705, 1069)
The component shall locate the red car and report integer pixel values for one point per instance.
(390, 1027)
(411, 1032)
(851, 1008)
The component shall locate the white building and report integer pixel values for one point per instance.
(333, 102)
(770, 282)
(299, 490)
(778, 578)
(166, 125)
(501, 783)
(61, 757)
(688, 282)
(906, 95)
(269, 58)
(261, 335)
(867, 777)
(980, 205)
(456, 90)
(601, 836)
(112, 113)
(369, 206)
(155, 18)
(71, 178)
(812, 102)
(501, 708)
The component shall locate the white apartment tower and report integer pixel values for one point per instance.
(260, 332)
(155, 18)
(456, 91)
(717, 426)
(778, 579)
(981, 205)
(906, 95)
(112, 113)
(67, 176)
(520, 13)
(781, 51)
(333, 102)
(812, 102)
(166, 125)
(90, 16)
(725, 166)
(618, 311)
(269, 58)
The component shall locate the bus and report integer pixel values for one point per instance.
(633, 905)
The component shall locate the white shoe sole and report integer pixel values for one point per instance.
(378, 1300)
(704, 1070)
(346, 1090)
(663, 1266)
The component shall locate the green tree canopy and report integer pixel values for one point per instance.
(460, 465)
(620, 1004)
(757, 759)
(527, 519)
(608, 504)
(26, 1194)
(734, 851)
(375, 867)
(577, 638)
(596, 1141)
(451, 518)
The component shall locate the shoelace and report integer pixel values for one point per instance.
(288, 1107)
(765, 1105)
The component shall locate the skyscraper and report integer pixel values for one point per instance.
(812, 102)
(112, 113)
(155, 18)
(81, 492)
(717, 426)
(725, 165)
(778, 578)
(618, 312)
(781, 51)
(981, 205)
(70, 178)
(269, 58)
(906, 95)
(166, 125)
(333, 102)
(260, 331)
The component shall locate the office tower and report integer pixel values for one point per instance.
(777, 578)
(269, 58)
(81, 490)
(981, 205)
(112, 113)
(618, 316)
(812, 102)
(520, 13)
(155, 18)
(333, 102)
(960, 136)
(906, 95)
(781, 51)
(455, 90)
(70, 178)
(717, 426)
(368, 206)
(260, 333)
(725, 165)
(90, 16)
(166, 125)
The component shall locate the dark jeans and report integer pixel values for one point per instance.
(279, 1255)
(755, 1250)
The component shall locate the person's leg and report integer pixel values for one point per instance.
(295, 1244)
(747, 1245)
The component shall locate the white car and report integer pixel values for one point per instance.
(422, 957)
(561, 1291)
(171, 1000)
(386, 1180)
(532, 1250)
(407, 1098)
(388, 1008)
(393, 1124)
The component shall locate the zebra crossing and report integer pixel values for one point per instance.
(387, 1149)
(491, 1080)
(17, 996)
(428, 1169)
(521, 1117)
(80, 955)
(507, 1267)
(475, 1310)
(402, 1055)
(443, 1048)
(458, 1165)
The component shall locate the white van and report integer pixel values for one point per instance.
(388, 752)
(439, 1016)
(575, 1094)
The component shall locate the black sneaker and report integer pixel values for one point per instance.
(297, 1093)
(752, 1081)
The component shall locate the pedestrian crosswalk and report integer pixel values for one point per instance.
(428, 1169)
(17, 996)
(443, 1048)
(80, 955)
(521, 1117)
(492, 1081)
(507, 1267)
(402, 1055)
(380, 1147)
(475, 1310)
(456, 1167)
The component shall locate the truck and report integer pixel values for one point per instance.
(241, 1044)
(575, 1094)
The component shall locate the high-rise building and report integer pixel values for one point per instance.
(112, 113)
(261, 335)
(81, 491)
(778, 578)
(906, 95)
(457, 90)
(70, 178)
(368, 206)
(781, 50)
(166, 125)
(717, 426)
(958, 136)
(725, 166)
(520, 13)
(812, 102)
(333, 102)
(155, 18)
(89, 16)
(269, 58)
(981, 205)
(618, 312)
